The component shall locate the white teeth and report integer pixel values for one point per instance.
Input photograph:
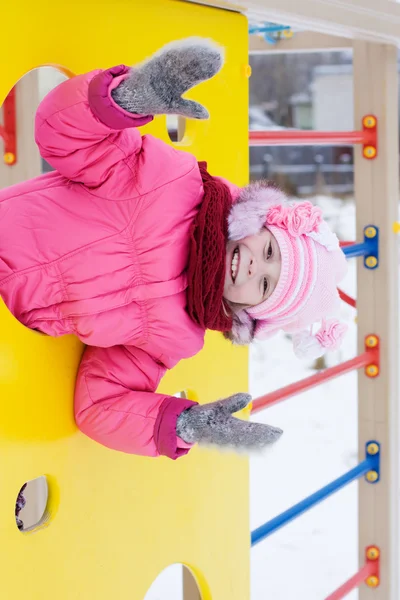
(235, 262)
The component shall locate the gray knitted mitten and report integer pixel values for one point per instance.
(156, 86)
(213, 424)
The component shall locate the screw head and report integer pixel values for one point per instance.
(371, 262)
(372, 476)
(371, 341)
(370, 232)
(369, 152)
(9, 158)
(372, 581)
(372, 370)
(372, 553)
(372, 448)
(369, 121)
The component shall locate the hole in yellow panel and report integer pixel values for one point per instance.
(176, 582)
(48, 79)
(187, 395)
(29, 92)
(176, 126)
(31, 504)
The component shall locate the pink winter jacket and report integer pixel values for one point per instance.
(99, 249)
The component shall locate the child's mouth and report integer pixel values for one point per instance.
(235, 264)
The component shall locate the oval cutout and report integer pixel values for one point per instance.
(176, 127)
(176, 582)
(187, 395)
(31, 504)
(30, 90)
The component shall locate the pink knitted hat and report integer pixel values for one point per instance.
(312, 264)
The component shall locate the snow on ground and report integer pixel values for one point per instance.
(313, 555)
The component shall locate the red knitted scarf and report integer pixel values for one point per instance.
(206, 272)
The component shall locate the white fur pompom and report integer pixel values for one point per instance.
(306, 345)
(325, 237)
(242, 332)
(249, 213)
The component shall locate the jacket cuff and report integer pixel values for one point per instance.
(104, 107)
(165, 438)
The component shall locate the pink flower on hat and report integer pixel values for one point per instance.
(329, 337)
(331, 334)
(297, 219)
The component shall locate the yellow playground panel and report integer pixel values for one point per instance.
(114, 521)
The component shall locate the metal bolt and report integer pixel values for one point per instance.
(373, 553)
(372, 581)
(371, 341)
(9, 158)
(372, 476)
(369, 121)
(372, 370)
(373, 448)
(369, 152)
(371, 262)
(370, 232)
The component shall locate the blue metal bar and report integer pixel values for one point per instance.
(369, 248)
(269, 29)
(361, 249)
(370, 463)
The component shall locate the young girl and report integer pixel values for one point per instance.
(135, 248)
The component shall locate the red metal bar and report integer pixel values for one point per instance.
(370, 573)
(9, 131)
(310, 138)
(354, 582)
(346, 298)
(364, 359)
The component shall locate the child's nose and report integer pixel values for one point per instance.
(252, 267)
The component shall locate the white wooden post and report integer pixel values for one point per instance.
(377, 198)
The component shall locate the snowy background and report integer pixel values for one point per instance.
(319, 444)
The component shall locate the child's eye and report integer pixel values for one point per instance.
(265, 285)
(269, 252)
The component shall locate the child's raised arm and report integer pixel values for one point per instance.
(82, 132)
(85, 127)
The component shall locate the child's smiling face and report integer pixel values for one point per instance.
(253, 267)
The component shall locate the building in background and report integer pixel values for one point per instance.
(332, 97)
(325, 103)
